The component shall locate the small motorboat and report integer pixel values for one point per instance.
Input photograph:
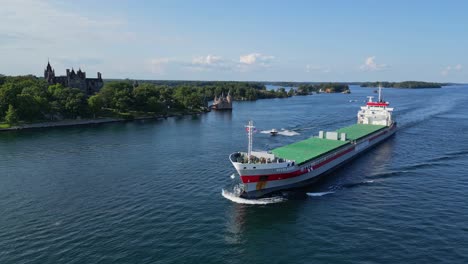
(274, 132)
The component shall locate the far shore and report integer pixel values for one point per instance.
(84, 122)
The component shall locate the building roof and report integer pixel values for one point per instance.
(308, 149)
(358, 131)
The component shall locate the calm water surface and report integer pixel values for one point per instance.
(150, 192)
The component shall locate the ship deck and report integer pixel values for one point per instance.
(308, 149)
(312, 148)
(357, 131)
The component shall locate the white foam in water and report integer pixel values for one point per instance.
(234, 198)
(283, 132)
(319, 193)
(233, 176)
(265, 131)
(288, 133)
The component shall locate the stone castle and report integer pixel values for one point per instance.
(73, 79)
(222, 103)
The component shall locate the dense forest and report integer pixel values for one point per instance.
(305, 89)
(407, 84)
(32, 99)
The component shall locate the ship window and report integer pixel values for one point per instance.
(254, 167)
(245, 168)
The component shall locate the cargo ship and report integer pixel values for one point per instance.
(302, 163)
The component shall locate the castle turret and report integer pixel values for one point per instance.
(81, 74)
(49, 74)
(229, 98)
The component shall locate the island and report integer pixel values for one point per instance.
(73, 99)
(306, 89)
(406, 84)
(30, 101)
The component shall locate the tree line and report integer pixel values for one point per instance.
(406, 84)
(32, 99)
(305, 89)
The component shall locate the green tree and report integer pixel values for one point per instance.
(117, 95)
(70, 102)
(95, 104)
(143, 93)
(11, 117)
(154, 105)
(28, 107)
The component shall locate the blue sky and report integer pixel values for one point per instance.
(239, 40)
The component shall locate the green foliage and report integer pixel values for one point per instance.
(69, 102)
(95, 104)
(11, 117)
(117, 95)
(407, 84)
(32, 99)
(305, 89)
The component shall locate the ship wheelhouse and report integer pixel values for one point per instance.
(376, 113)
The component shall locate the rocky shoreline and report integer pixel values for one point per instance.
(84, 122)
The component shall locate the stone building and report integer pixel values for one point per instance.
(222, 103)
(74, 79)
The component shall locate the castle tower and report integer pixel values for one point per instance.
(229, 98)
(49, 74)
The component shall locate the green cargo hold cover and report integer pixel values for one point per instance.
(311, 148)
(358, 131)
(308, 149)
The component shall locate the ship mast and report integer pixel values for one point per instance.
(380, 93)
(250, 127)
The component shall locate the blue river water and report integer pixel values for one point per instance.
(151, 191)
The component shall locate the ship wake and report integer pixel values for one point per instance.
(438, 105)
(283, 132)
(315, 194)
(233, 197)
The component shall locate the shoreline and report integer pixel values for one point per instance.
(87, 122)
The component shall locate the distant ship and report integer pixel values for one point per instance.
(273, 132)
(301, 163)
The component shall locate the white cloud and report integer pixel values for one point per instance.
(158, 65)
(319, 69)
(256, 58)
(207, 60)
(449, 69)
(370, 64)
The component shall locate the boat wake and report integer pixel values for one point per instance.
(283, 132)
(235, 198)
(318, 194)
(288, 133)
(438, 106)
